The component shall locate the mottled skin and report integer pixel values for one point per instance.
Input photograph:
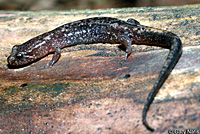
(101, 30)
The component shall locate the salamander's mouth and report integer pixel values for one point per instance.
(13, 61)
(17, 59)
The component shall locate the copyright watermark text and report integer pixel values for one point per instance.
(186, 131)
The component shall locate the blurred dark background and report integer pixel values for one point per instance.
(86, 4)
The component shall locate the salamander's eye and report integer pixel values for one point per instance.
(20, 56)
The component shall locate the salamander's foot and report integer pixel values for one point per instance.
(48, 65)
(127, 55)
(128, 50)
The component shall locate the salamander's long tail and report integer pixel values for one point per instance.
(171, 61)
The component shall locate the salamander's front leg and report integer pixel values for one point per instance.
(56, 56)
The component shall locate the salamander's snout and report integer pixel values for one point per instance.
(10, 60)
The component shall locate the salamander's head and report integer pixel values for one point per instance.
(18, 57)
(25, 54)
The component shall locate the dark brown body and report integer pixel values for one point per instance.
(101, 30)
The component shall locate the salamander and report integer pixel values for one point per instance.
(101, 30)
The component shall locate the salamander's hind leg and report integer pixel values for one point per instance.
(56, 56)
(133, 21)
(126, 41)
